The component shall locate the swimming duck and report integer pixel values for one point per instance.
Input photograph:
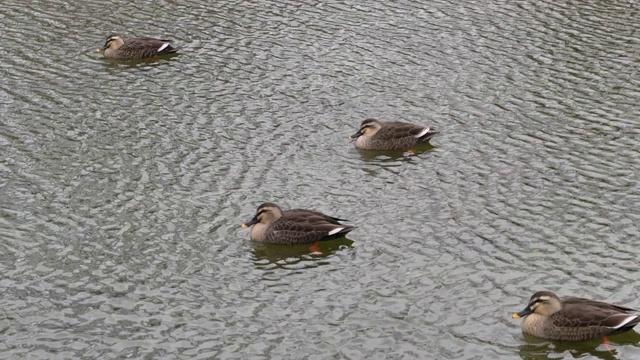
(118, 47)
(574, 319)
(390, 135)
(295, 226)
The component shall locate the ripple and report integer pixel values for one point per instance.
(124, 183)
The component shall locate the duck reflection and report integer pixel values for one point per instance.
(537, 348)
(152, 61)
(289, 255)
(393, 155)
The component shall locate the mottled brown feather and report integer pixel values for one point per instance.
(393, 135)
(298, 226)
(139, 48)
(577, 319)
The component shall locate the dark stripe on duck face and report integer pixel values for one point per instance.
(372, 124)
(106, 45)
(534, 302)
(258, 216)
(265, 208)
(367, 122)
(542, 299)
(266, 205)
(110, 38)
(363, 128)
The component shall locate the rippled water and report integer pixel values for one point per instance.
(123, 185)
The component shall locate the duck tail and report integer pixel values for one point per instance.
(428, 135)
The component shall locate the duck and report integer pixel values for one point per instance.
(574, 319)
(119, 47)
(294, 227)
(391, 135)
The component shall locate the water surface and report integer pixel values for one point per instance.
(124, 184)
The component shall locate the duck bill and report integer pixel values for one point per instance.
(522, 313)
(355, 136)
(250, 223)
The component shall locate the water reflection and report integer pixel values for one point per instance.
(166, 149)
(537, 348)
(291, 256)
(136, 62)
(393, 155)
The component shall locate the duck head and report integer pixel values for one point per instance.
(368, 127)
(265, 214)
(543, 302)
(114, 42)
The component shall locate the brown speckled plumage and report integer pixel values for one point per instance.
(118, 47)
(390, 135)
(574, 319)
(295, 226)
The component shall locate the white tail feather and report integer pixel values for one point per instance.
(626, 321)
(335, 231)
(164, 46)
(422, 133)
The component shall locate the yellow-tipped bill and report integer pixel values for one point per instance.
(250, 222)
(355, 136)
(515, 316)
(98, 50)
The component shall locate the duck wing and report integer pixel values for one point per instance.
(147, 47)
(585, 313)
(572, 301)
(393, 130)
(300, 226)
(312, 213)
